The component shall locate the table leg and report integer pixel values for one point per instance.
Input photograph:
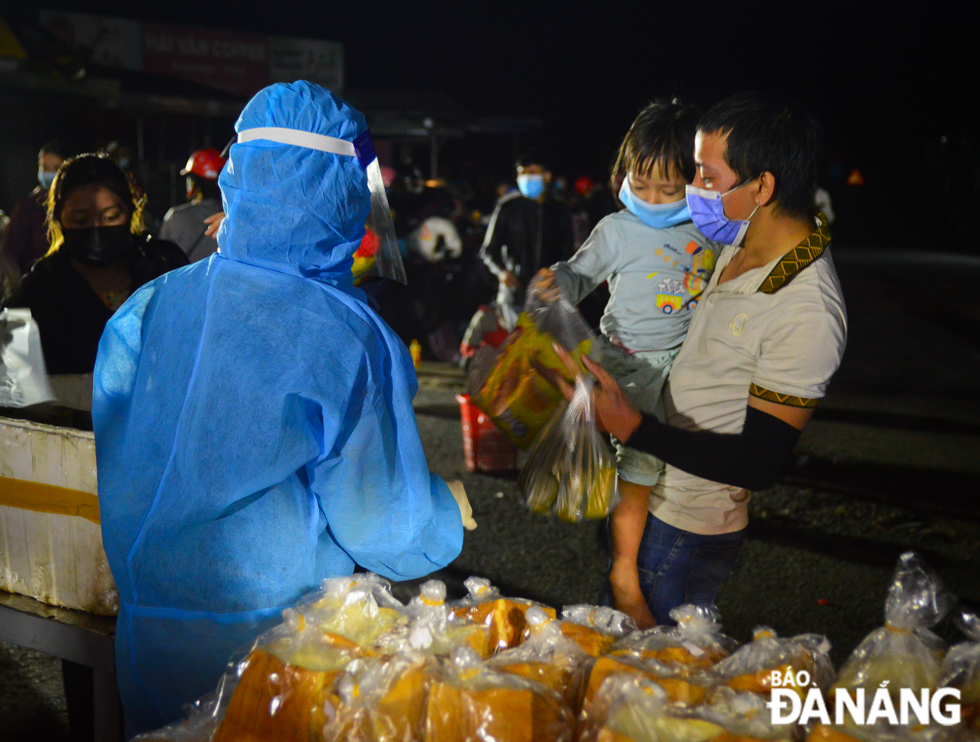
(108, 708)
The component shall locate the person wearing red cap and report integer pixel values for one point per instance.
(185, 224)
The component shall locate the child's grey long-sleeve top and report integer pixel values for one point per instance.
(655, 278)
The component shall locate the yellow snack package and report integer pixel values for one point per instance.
(510, 387)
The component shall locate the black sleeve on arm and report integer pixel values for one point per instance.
(751, 459)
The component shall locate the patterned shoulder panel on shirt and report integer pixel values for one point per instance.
(785, 399)
(798, 258)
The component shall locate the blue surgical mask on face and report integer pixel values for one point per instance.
(530, 185)
(708, 215)
(46, 178)
(658, 216)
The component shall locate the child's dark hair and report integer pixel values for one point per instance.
(770, 133)
(662, 136)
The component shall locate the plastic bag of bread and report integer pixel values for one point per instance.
(503, 617)
(595, 628)
(627, 708)
(696, 642)
(509, 385)
(381, 700)
(903, 652)
(571, 471)
(547, 656)
(352, 611)
(469, 702)
(433, 627)
(746, 717)
(752, 667)
(961, 670)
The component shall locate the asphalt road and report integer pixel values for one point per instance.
(890, 462)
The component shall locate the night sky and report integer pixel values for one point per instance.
(887, 82)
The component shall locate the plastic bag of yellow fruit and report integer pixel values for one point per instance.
(505, 618)
(469, 701)
(571, 471)
(511, 385)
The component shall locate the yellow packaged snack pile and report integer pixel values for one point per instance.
(629, 708)
(469, 701)
(503, 617)
(547, 656)
(509, 385)
(754, 666)
(961, 670)
(571, 472)
(595, 628)
(677, 657)
(902, 654)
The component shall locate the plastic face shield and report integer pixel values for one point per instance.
(387, 259)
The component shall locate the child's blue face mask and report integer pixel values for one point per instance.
(530, 184)
(658, 216)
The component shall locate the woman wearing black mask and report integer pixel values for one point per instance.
(98, 258)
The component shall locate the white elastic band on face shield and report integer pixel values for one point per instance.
(388, 259)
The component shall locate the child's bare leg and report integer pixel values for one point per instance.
(626, 523)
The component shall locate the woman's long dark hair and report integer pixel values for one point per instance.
(85, 170)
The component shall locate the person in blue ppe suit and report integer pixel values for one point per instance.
(253, 421)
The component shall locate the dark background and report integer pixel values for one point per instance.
(893, 85)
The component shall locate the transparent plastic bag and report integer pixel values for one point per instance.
(961, 670)
(696, 642)
(570, 469)
(751, 668)
(434, 628)
(903, 652)
(632, 709)
(595, 628)
(746, 716)
(469, 701)
(505, 618)
(546, 656)
(508, 384)
(381, 700)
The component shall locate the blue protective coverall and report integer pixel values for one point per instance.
(253, 421)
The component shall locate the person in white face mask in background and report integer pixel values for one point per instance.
(529, 229)
(25, 240)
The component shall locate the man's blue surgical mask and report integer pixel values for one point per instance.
(530, 184)
(708, 215)
(46, 178)
(658, 216)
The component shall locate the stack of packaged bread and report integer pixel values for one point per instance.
(351, 662)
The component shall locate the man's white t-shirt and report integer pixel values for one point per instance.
(777, 333)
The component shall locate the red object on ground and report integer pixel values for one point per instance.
(823, 601)
(486, 447)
